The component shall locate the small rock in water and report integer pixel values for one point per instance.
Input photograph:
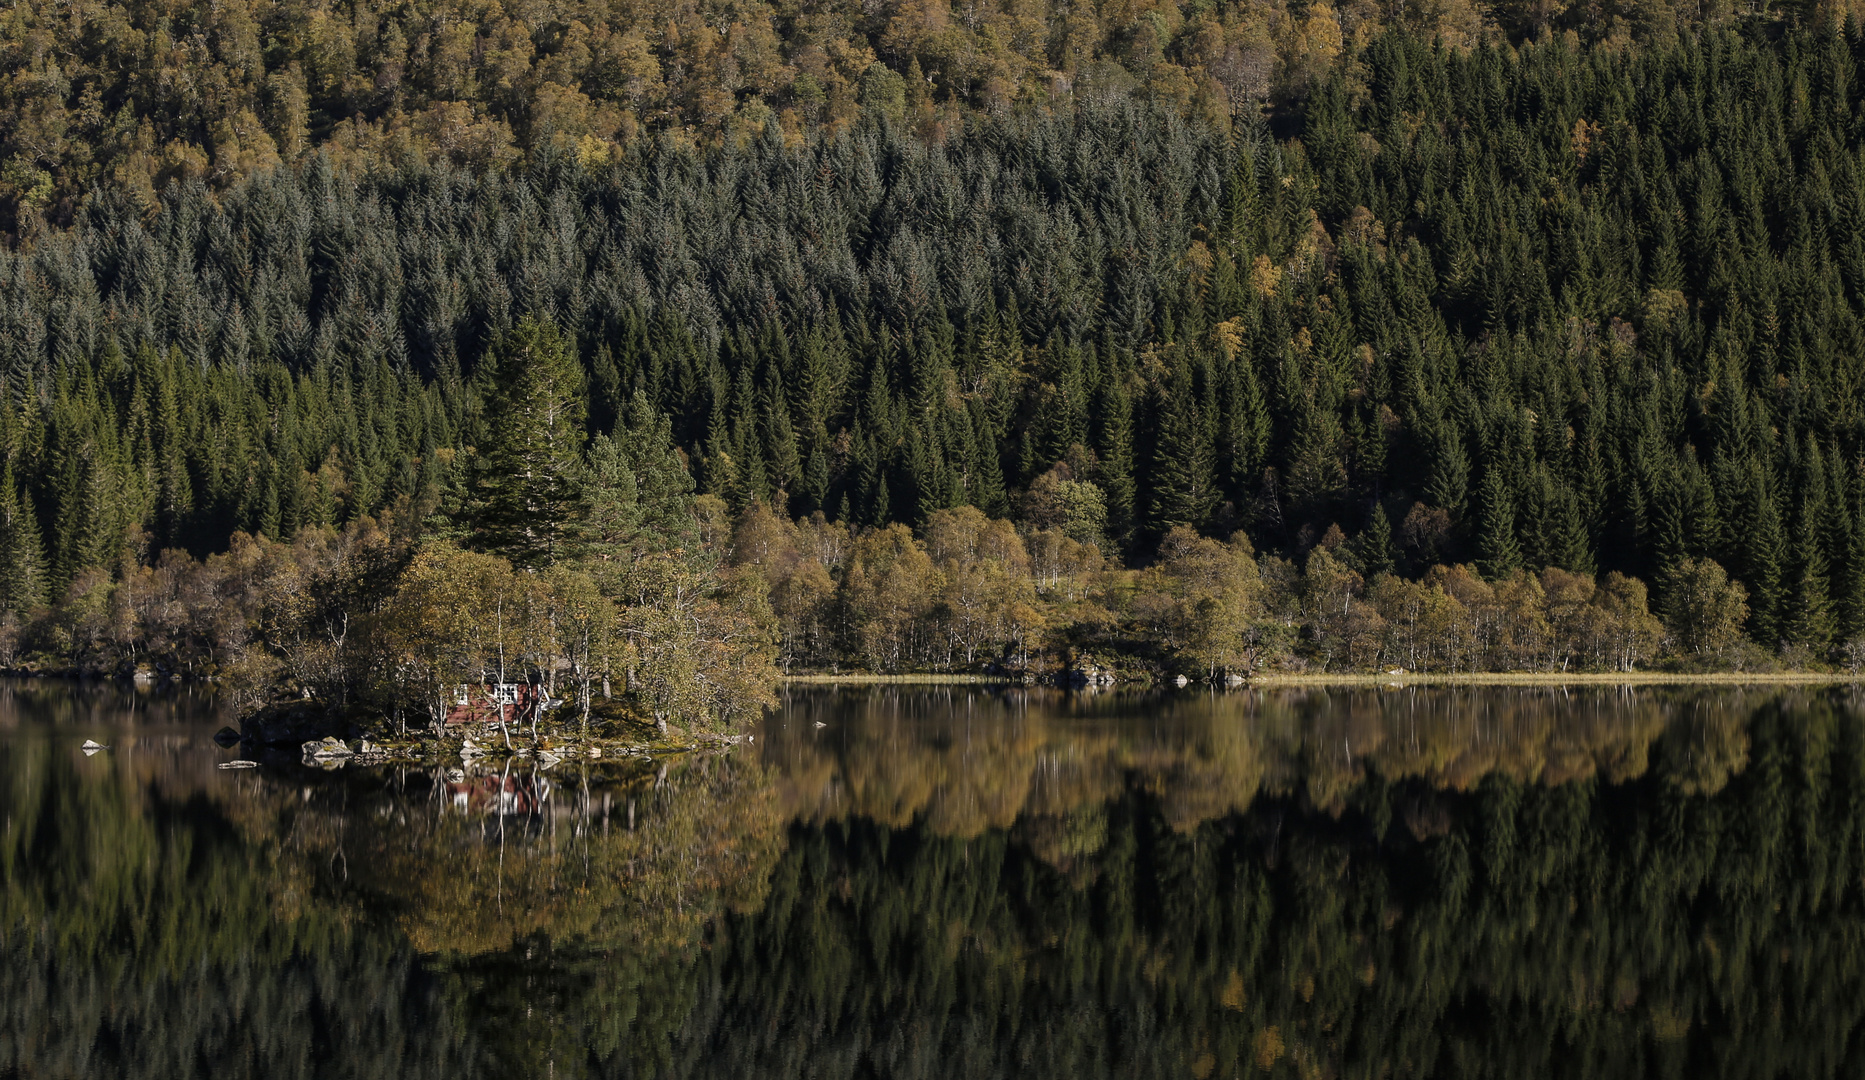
(819, 723)
(240, 764)
(1180, 681)
(328, 747)
(226, 736)
(91, 747)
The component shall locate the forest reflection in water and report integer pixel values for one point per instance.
(963, 881)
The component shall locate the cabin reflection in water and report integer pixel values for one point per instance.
(497, 793)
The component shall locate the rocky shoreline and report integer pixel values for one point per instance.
(330, 739)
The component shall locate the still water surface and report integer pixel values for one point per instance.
(960, 882)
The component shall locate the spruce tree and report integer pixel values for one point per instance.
(1373, 547)
(1114, 446)
(1183, 462)
(22, 559)
(1809, 620)
(527, 487)
(1763, 551)
(1570, 547)
(639, 497)
(986, 474)
(1498, 553)
(1448, 481)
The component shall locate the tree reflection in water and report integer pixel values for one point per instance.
(955, 881)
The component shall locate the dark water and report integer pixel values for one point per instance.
(960, 883)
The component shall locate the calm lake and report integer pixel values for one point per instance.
(959, 882)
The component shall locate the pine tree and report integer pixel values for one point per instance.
(986, 474)
(780, 443)
(22, 559)
(1114, 446)
(1570, 548)
(1763, 551)
(1373, 547)
(1851, 580)
(1498, 553)
(527, 490)
(1809, 620)
(1449, 478)
(1182, 462)
(639, 497)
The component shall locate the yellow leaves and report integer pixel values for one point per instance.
(1200, 596)
(1267, 1048)
(592, 153)
(1362, 229)
(1662, 306)
(1233, 998)
(1265, 277)
(1198, 262)
(460, 80)
(1228, 337)
(889, 581)
(1321, 33)
(454, 128)
(1313, 249)
(1310, 45)
(1582, 138)
(568, 118)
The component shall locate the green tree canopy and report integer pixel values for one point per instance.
(526, 498)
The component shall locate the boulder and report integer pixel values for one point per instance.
(328, 747)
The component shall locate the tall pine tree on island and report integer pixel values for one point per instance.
(525, 500)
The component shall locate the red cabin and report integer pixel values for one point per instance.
(491, 703)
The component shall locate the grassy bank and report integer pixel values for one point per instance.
(1591, 678)
(1275, 681)
(864, 679)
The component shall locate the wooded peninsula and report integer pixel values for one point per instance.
(363, 355)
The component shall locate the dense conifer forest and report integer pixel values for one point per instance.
(1442, 314)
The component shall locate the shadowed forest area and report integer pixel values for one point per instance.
(1461, 353)
(1413, 883)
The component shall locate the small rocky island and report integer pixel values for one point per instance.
(485, 722)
